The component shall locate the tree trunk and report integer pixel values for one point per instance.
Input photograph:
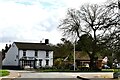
(93, 59)
(93, 62)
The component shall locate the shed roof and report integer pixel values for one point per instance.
(33, 46)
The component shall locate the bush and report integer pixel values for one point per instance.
(58, 63)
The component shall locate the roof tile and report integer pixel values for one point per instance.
(33, 46)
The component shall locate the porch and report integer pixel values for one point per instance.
(27, 62)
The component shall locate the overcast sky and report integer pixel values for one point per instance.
(34, 20)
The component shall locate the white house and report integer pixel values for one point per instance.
(22, 54)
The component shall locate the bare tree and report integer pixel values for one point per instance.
(114, 4)
(99, 21)
(71, 24)
(114, 44)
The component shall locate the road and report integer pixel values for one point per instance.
(31, 75)
(53, 76)
(48, 75)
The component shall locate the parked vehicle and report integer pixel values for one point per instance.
(118, 65)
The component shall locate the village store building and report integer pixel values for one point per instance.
(24, 54)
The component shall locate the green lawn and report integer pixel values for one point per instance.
(67, 70)
(111, 70)
(4, 73)
(116, 70)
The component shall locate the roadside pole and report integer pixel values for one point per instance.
(74, 55)
(0, 60)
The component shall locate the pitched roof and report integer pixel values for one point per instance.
(84, 56)
(33, 46)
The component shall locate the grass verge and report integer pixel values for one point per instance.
(110, 70)
(4, 73)
(68, 70)
(60, 70)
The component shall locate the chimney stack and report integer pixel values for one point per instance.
(46, 41)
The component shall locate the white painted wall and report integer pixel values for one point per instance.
(29, 53)
(10, 58)
(51, 58)
(41, 55)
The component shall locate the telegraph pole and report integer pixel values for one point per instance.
(118, 4)
(74, 55)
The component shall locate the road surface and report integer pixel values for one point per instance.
(31, 75)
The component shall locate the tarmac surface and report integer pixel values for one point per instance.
(32, 75)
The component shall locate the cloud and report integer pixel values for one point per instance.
(33, 20)
(19, 18)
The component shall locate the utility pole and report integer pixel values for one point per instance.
(74, 55)
(0, 60)
(118, 4)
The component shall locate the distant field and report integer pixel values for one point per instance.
(4, 73)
